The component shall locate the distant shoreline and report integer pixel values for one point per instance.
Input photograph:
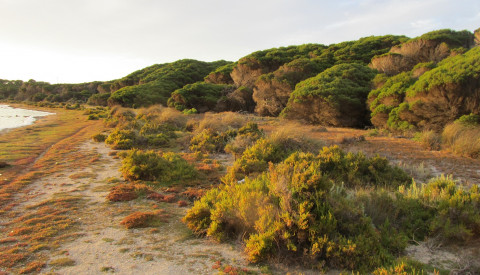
(36, 118)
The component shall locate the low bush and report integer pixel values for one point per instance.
(221, 122)
(429, 139)
(99, 138)
(274, 148)
(167, 168)
(245, 138)
(119, 117)
(157, 135)
(456, 215)
(121, 139)
(200, 96)
(469, 120)
(300, 206)
(209, 141)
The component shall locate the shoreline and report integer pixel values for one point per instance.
(35, 118)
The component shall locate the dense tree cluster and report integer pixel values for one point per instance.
(420, 83)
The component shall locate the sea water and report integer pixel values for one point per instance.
(16, 117)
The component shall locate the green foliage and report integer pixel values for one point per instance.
(245, 138)
(392, 92)
(199, 95)
(428, 65)
(275, 148)
(255, 159)
(96, 113)
(364, 49)
(225, 69)
(335, 97)
(190, 111)
(99, 138)
(154, 84)
(456, 210)
(469, 120)
(99, 99)
(166, 168)
(143, 94)
(345, 82)
(453, 70)
(8, 88)
(43, 91)
(297, 70)
(306, 207)
(274, 58)
(299, 206)
(405, 266)
(453, 38)
(396, 123)
(210, 141)
(121, 139)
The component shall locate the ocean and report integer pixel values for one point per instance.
(16, 117)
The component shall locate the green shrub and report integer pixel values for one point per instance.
(200, 96)
(453, 38)
(99, 137)
(121, 139)
(453, 70)
(275, 148)
(190, 111)
(209, 141)
(457, 210)
(245, 138)
(120, 117)
(430, 140)
(469, 120)
(166, 168)
(155, 84)
(99, 99)
(396, 123)
(255, 159)
(334, 97)
(300, 207)
(157, 140)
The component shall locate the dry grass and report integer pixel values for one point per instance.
(162, 198)
(33, 267)
(144, 219)
(430, 140)
(173, 117)
(159, 114)
(62, 262)
(53, 149)
(42, 227)
(221, 122)
(36, 151)
(294, 136)
(462, 140)
(82, 175)
(127, 192)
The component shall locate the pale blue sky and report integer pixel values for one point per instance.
(75, 41)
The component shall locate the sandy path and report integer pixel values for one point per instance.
(104, 246)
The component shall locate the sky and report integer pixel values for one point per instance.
(74, 41)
